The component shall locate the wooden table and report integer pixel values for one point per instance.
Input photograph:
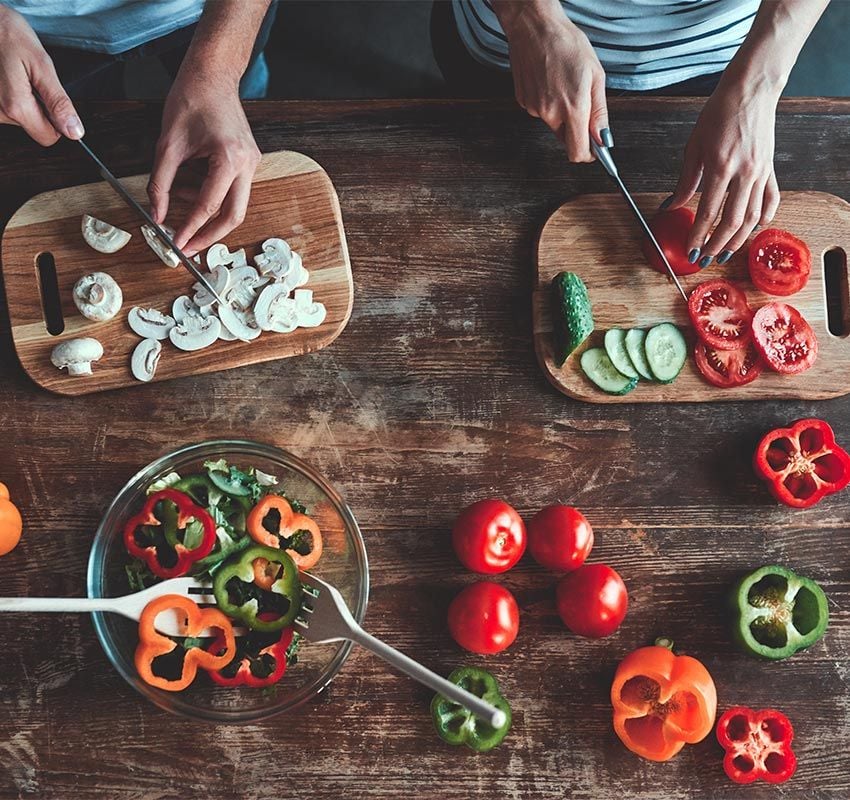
(430, 399)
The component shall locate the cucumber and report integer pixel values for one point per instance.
(666, 351)
(615, 346)
(634, 347)
(598, 367)
(572, 314)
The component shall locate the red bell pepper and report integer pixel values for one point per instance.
(148, 547)
(802, 463)
(757, 745)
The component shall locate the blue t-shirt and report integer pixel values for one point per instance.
(106, 26)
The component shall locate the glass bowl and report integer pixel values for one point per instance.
(343, 564)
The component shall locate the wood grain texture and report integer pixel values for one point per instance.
(431, 398)
(597, 237)
(292, 198)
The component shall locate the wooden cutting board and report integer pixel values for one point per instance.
(596, 237)
(292, 198)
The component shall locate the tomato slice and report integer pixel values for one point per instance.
(784, 339)
(721, 315)
(671, 229)
(780, 263)
(727, 368)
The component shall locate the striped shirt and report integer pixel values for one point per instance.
(641, 44)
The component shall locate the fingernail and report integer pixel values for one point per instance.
(704, 262)
(693, 256)
(607, 137)
(757, 228)
(666, 204)
(724, 256)
(74, 127)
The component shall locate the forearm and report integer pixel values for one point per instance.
(511, 12)
(223, 41)
(773, 44)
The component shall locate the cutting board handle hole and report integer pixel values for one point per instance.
(48, 284)
(837, 294)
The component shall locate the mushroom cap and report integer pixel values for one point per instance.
(163, 251)
(76, 355)
(219, 277)
(219, 256)
(275, 310)
(149, 323)
(98, 297)
(145, 359)
(309, 313)
(102, 236)
(195, 333)
(240, 322)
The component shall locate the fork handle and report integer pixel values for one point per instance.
(481, 708)
(57, 604)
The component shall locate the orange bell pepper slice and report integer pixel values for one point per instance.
(11, 524)
(153, 644)
(662, 702)
(303, 532)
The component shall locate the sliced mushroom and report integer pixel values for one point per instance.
(102, 236)
(275, 310)
(145, 359)
(219, 256)
(276, 254)
(240, 322)
(184, 307)
(220, 279)
(242, 291)
(195, 333)
(150, 323)
(163, 251)
(98, 296)
(77, 355)
(310, 314)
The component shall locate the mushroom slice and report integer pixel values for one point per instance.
(275, 310)
(98, 297)
(163, 251)
(241, 323)
(77, 355)
(102, 236)
(145, 359)
(220, 279)
(310, 314)
(195, 333)
(184, 307)
(276, 254)
(242, 291)
(219, 256)
(150, 323)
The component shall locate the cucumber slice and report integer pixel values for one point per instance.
(571, 314)
(634, 347)
(615, 346)
(666, 351)
(598, 367)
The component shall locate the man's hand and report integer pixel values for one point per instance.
(26, 71)
(557, 75)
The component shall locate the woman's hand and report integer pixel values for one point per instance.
(204, 120)
(556, 73)
(26, 71)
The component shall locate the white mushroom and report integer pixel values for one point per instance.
(163, 251)
(98, 296)
(102, 236)
(219, 277)
(76, 355)
(275, 310)
(195, 333)
(184, 307)
(276, 254)
(240, 322)
(150, 323)
(145, 359)
(310, 314)
(244, 283)
(219, 256)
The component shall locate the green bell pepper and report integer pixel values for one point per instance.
(200, 488)
(777, 612)
(259, 579)
(457, 726)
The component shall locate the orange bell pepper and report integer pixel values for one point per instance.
(153, 644)
(662, 702)
(11, 524)
(297, 533)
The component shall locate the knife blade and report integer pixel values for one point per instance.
(161, 234)
(604, 156)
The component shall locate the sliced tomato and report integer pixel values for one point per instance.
(780, 263)
(671, 229)
(784, 339)
(721, 315)
(727, 368)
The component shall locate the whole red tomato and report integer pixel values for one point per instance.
(560, 538)
(592, 601)
(489, 536)
(484, 618)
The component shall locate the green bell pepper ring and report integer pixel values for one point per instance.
(457, 726)
(200, 488)
(777, 612)
(257, 580)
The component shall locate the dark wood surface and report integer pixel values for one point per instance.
(431, 398)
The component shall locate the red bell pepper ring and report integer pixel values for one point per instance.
(802, 463)
(757, 745)
(187, 510)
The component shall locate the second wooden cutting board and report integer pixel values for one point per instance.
(596, 237)
(292, 198)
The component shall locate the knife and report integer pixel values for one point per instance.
(604, 156)
(163, 236)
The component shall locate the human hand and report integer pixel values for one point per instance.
(557, 75)
(204, 120)
(730, 150)
(26, 72)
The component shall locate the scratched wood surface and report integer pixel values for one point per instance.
(431, 398)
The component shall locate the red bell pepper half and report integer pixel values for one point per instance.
(757, 745)
(802, 463)
(154, 534)
(260, 658)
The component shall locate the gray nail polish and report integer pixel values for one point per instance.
(693, 256)
(607, 137)
(757, 228)
(705, 261)
(724, 256)
(666, 203)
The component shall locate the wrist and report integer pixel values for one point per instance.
(512, 13)
(752, 78)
